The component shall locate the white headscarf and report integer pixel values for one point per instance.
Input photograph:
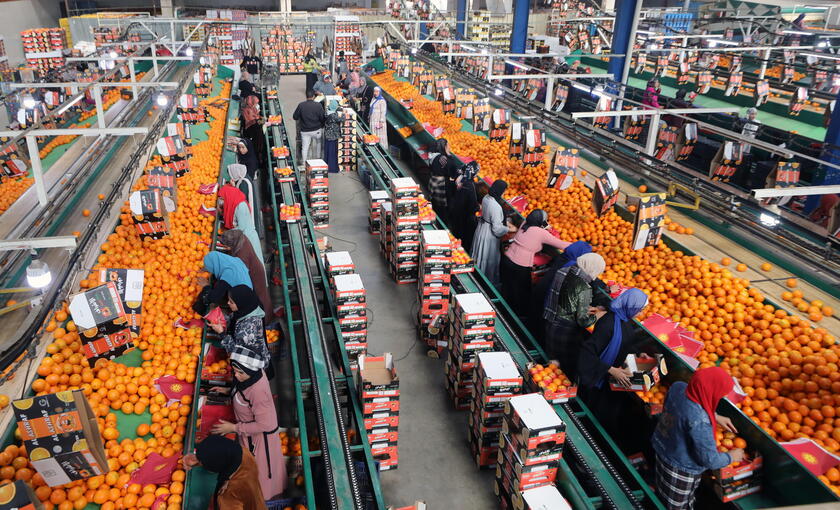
(591, 264)
(237, 172)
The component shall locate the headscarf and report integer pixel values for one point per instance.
(252, 101)
(441, 146)
(250, 116)
(246, 301)
(227, 268)
(497, 189)
(249, 159)
(355, 79)
(332, 107)
(706, 387)
(245, 360)
(233, 239)
(536, 218)
(221, 455)
(232, 196)
(591, 264)
(376, 98)
(237, 172)
(624, 307)
(574, 251)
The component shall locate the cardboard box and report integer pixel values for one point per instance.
(349, 289)
(646, 372)
(377, 376)
(743, 469)
(473, 310)
(19, 496)
(317, 167)
(340, 262)
(542, 449)
(129, 283)
(61, 436)
(103, 324)
(150, 214)
(541, 498)
(404, 187)
(532, 422)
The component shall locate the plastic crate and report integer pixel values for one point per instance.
(365, 490)
(280, 504)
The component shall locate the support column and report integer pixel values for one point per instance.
(133, 79)
(37, 170)
(653, 134)
(831, 154)
(100, 111)
(624, 34)
(166, 10)
(519, 33)
(461, 19)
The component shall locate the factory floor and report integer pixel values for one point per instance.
(435, 463)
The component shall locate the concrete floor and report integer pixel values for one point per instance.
(435, 463)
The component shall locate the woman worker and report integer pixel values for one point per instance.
(332, 132)
(486, 246)
(463, 204)
(566, 329)
(518, 260)
(236, 213)
(228, 271)
(256, 421)
(684, 439)
(377, 117)
(539, 297)
(441, 169)
(241, 248)
(237, 482)
(246, 155)
(245, 327)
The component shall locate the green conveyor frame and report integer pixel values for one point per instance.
(787, 481)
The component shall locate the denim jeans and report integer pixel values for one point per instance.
(311, 145)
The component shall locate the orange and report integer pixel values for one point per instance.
(791, 282)
(766, 266)
(85, 212)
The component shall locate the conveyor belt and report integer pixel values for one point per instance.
(343, 483)
(614, 490)
(722, 203)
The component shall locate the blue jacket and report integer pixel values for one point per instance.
(683, 437)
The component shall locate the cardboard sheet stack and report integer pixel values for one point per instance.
(434, 288)
(318, 187)
(350, 298)
(472, 322)
(376, 197)
(347, 141)
(379, 389)
(495, 381)
(530, 447)
(404, 224)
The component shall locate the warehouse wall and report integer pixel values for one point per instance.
(23, 14)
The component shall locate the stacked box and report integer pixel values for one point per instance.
(379, 389)
(495, 381)
(738, 480)
(350, 299)
(43, 48)
(530, 446)
(472, 322)
(347, 141)
(404, 223)
(347, 33)
(434, 278)
(339, 262)
(318, 188)
(281, 48)
(105, 36)
(375, 210)
(385, 229)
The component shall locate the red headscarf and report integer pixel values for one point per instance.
(707, 387)
(232, 197)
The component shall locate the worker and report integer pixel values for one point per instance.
(679, 101)
(325, 86)
(246, 86)
(245, 326)
(252, 127)
(246, 155)
(463, 204)
(230, 199)
(242, 249)
(572, 312)
(377, 117)
(492, 226)
(237, 481)
(332, 132)
(441, 169)
(252, 64)
(684, 439)
(310, 67)
(518, 260)
(228, 272)
(550, 280)
(238, 174)
(256, 420)
(602, 356)
(651, 96)
(341, 64)
(310, 121)
(343, 83)
(356, 83)
(750, 126)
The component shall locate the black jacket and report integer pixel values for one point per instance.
(309, 116)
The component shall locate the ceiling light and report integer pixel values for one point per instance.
(768, 220)
(29, 101)
(498, 92)
(162, 100)
(38, 274)
(188, 52)
(112, 54)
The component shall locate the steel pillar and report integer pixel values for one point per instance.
(519, 33)
(831, 154)
(624, 33)
(461, 19)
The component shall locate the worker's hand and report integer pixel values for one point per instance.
(223, 427)
(220, 389)
(217, 328)
(737, 455)
(725, 423)
(614, 288)
(202, 281)
(597, 311)
(190, 461)
(621, 376)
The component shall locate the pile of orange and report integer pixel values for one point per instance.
(11, 188)
(291, 444)
(171, 266)
(789, 368)
(59, 140)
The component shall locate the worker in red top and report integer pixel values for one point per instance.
(163, 51)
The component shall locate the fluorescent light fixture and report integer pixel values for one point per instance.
(713, 44)
(796, 32)
(823, 44)
(29, 101)
(768, 220)
(498, 92)
(414, 51)
(68, 105)
(38, 274)
(112, 54)
(648, 32)
(188, 52)
(162, 100)
(826, 56)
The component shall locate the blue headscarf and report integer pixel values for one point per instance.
(624, 307)
(230, 269)
(575, 250)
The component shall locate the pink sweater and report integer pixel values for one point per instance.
(528, 242)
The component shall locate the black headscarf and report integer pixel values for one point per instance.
(536, 218)
(221, 455)
(246, 302)
(249, 159)
(497, 189)
(246, 88)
